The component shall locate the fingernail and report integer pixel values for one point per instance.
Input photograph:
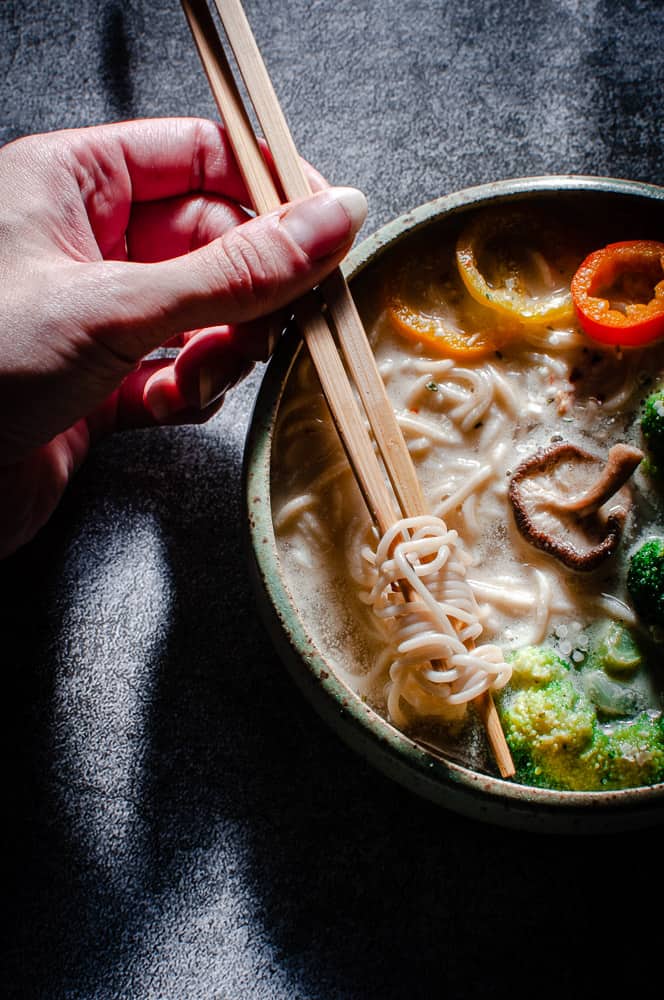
(272, 338)
(211, 385)
(158, 406)
(327, 221)
(163, 398)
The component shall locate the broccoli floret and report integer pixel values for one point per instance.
(535, 665)
(645, 581)
(612, 699)
(613, 648)
(556, 738)
(652, 422)
(632, 753)
(548, 728)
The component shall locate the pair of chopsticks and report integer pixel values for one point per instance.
(313, 324)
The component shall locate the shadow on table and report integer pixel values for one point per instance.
(212, 838)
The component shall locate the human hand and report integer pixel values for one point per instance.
(118, 239)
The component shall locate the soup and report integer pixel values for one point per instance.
(512, 415)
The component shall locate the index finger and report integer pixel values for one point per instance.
(161, 158)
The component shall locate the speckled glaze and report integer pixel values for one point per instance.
(447, 783)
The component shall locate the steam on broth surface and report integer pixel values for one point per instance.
(478, 391)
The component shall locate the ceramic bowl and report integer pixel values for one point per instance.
(452, 785)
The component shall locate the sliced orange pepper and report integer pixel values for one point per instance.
(618, 293)
(429, 304)
(518, 263)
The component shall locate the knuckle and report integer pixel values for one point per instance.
(206, 141)
(246, 272)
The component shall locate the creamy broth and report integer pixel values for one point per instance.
(469, 422)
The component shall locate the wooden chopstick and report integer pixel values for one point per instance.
(313, 325)
(348, 325)
(315, 330)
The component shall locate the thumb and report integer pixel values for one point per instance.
(250, 271)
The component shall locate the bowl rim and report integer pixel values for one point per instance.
(445, 781)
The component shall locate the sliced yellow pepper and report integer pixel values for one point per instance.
(518, 264)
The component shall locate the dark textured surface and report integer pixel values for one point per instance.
(180, 825)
